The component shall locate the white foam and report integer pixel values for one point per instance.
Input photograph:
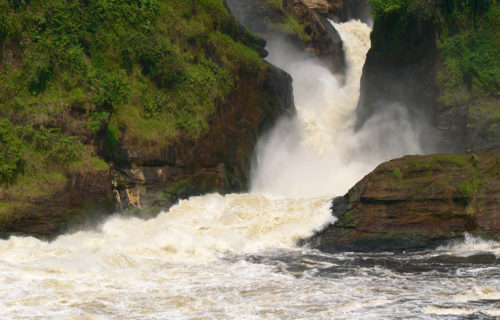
(318, 152)
(471, 245)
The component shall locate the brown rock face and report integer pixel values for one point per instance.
(156, 176)
(342, 10)
(324, 40)
(416, 202)
(314, 33)
(86, 197)
(324, 7)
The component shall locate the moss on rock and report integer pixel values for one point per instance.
(436, 198)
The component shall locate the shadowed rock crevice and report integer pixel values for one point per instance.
(439, 60)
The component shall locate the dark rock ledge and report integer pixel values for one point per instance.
(417, 202)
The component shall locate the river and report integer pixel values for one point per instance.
(236, 256)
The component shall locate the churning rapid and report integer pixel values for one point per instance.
(235, 256)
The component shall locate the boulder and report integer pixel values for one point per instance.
(418, 202)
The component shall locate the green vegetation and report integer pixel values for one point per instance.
(439, 161)
(469, 188)
(286, 21)
(460, 176)
(78, 75)
(471, 47)
(7, 214)
(349, 220)
(10, 152)
(275, 3)
(397, 174)
(292, 26)
(468, 42)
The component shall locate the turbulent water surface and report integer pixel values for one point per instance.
(235, 256)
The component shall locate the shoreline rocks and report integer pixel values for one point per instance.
(417, 202)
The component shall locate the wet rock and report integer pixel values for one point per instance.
(84, 200)
(405, 66)
(418, 202)
(399, 69)
(219, 161)
(340, 10)
(301, 23)
(351, 9)
(323, 7)
(323, 40)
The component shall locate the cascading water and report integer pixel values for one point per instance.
(234, 256)
(318, 152)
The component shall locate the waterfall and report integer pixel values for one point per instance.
(235, 256)
(318, 152)
(302, 164)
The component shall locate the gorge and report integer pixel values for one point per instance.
(384, 253)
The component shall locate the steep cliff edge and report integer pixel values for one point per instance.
(418, 202)
(135, 103)
(157, 175)
(302, 24)
(441, 61)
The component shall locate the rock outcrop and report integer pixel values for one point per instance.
(324, 7)
(219, 161)
(177, 114)
(418, 202)
(341, 10)
(298, 22)
(83, 200)
(400, 69)
(420, 59)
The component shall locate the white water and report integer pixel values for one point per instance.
(235, 256)
(318, 152)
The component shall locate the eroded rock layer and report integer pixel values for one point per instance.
(219, 161)
(416, 202)
(440, 62)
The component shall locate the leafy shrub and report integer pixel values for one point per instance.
(471, 46)
(163, 63)
(37, 72)
(57, 148)
(111, 90)
(468, 38)
(18, 4)
(11, 160)
(155, 104)
(98, 120)
(146, 69)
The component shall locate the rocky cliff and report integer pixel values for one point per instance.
(157, 175)
(126, 104)
(440, 60)
(82, 199)
(301, 23)
(418, 202)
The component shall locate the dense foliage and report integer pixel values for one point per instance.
(74, 72)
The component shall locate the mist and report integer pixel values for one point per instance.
(318, 151)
